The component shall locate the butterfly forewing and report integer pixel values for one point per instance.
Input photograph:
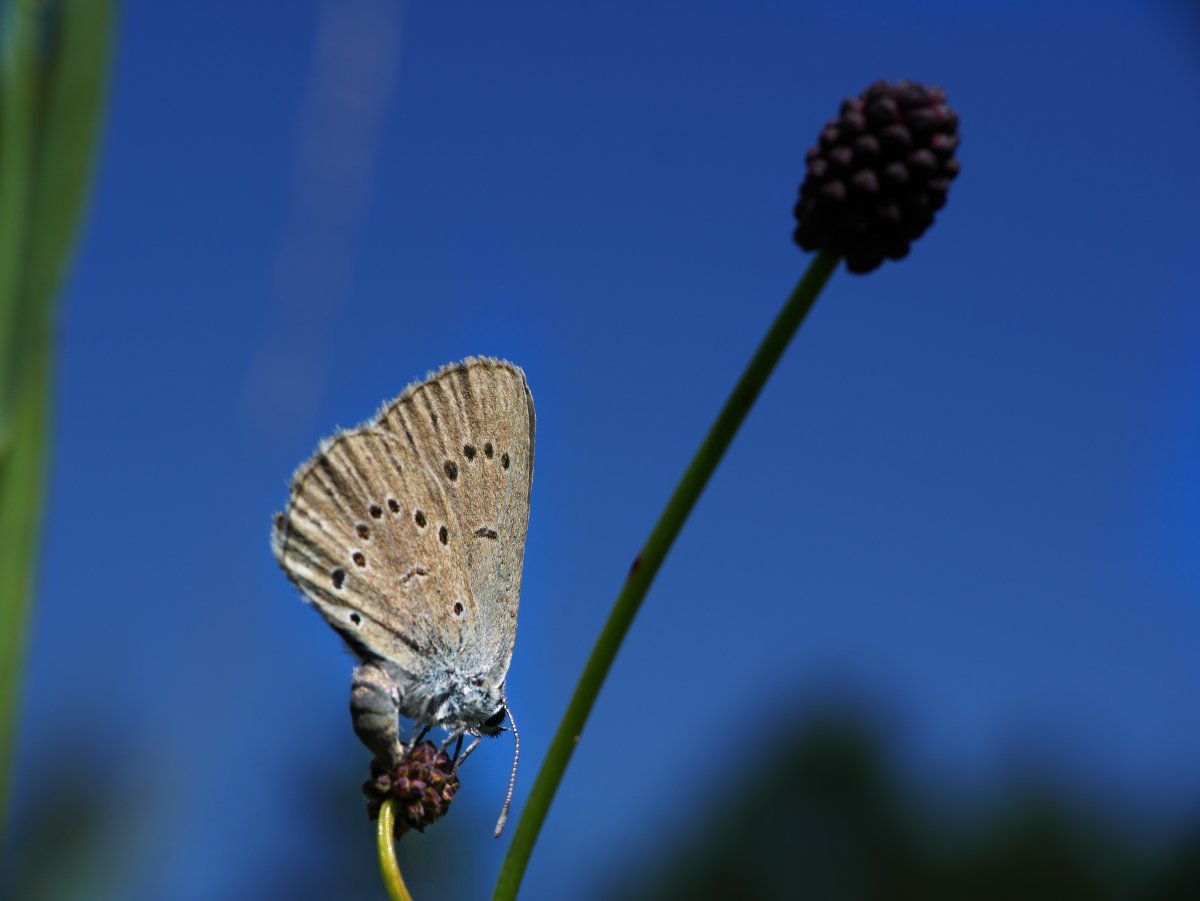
(473, 424)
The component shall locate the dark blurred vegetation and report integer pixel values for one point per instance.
(79, 841)
(95, 832)
(828, 814)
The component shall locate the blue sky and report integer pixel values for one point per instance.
(969, 493)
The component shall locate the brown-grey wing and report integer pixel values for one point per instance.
(370, 539)
(473, 423)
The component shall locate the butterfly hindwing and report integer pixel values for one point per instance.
(370, 539)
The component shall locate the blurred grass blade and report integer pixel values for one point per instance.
(54, 62)
(75, 87)
(18, 76)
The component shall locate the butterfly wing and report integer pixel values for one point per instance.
(370, 539)
(472, 423)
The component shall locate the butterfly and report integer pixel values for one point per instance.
(407, 534)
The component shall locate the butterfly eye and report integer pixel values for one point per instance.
(495, 719)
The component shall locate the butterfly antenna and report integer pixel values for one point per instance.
(512, 780)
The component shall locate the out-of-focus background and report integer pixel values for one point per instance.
(933, 631)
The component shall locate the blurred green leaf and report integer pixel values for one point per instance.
(54, 62)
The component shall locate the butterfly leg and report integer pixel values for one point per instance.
(450, 736)
(459, 761)
(375, 711)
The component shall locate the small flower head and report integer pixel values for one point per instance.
(422, 784)
(878, 174)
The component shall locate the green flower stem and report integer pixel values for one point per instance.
(385, 840)
(646, 565)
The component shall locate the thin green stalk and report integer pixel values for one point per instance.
(385, 842)
(646, 566)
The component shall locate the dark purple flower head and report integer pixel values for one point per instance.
(878, 174)
(423, 784)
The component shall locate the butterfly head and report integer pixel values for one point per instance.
(475, 708)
